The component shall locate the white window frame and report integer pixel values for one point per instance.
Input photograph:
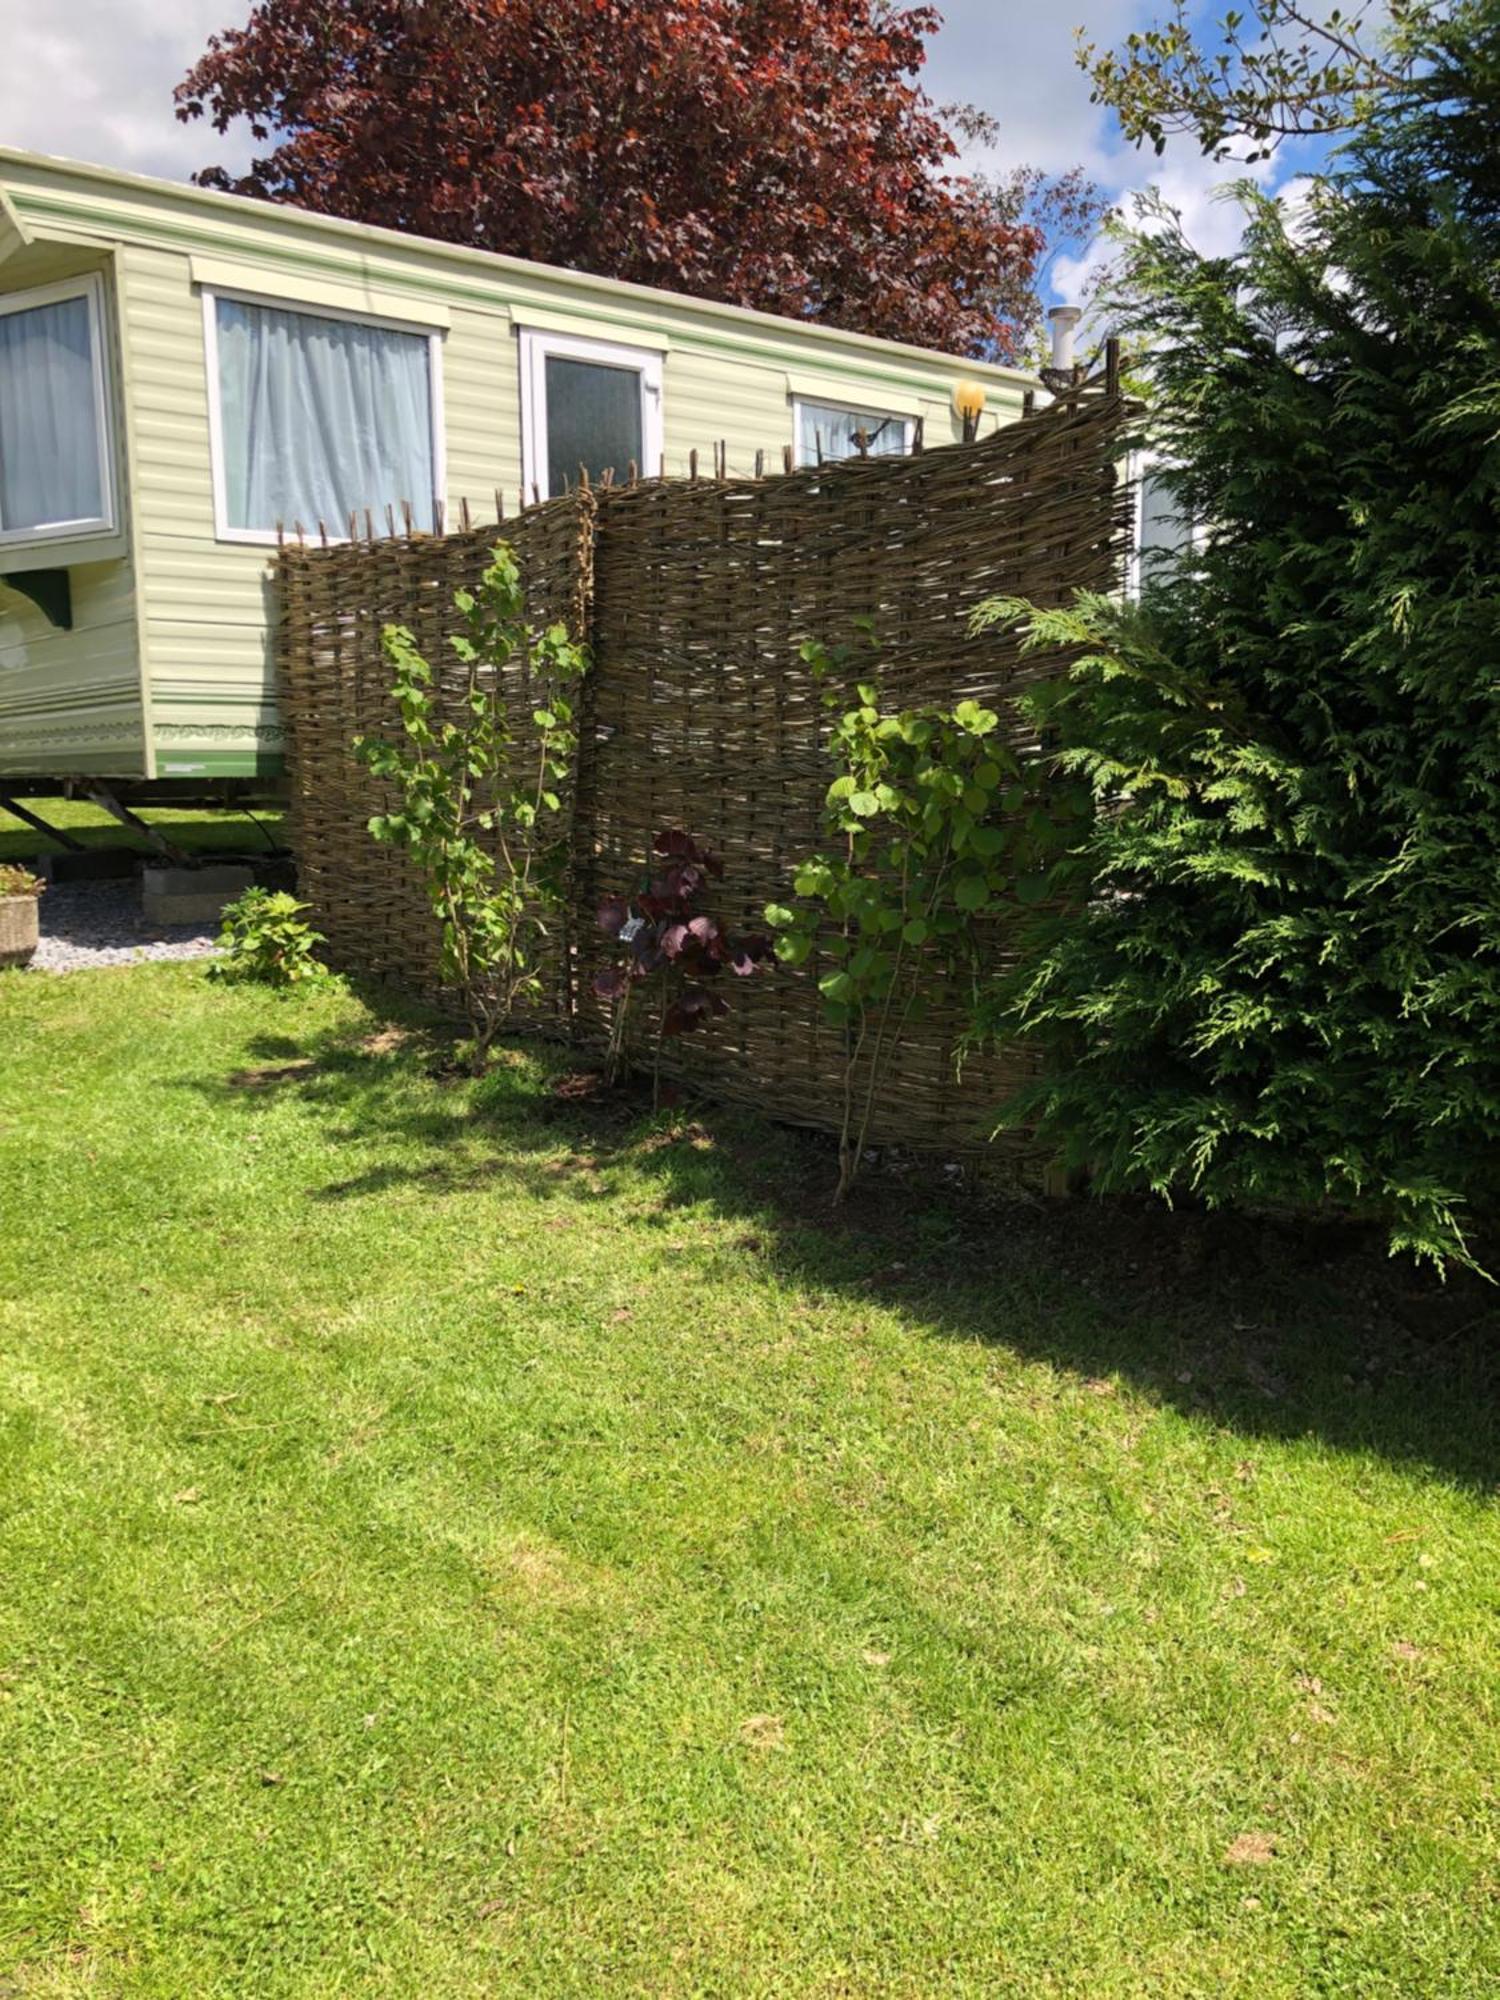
(91, 288)
(856, 407)
(338, 531)
(537, 346)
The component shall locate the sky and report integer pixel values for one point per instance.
(93, 80)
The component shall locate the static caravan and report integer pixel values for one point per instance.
(181, 372)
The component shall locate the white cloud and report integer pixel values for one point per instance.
(1200, 192)
(93, 80)
(1019, 64)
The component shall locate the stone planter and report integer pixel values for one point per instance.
(20, 929)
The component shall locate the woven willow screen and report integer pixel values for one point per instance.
(696, 598)
(335, 685)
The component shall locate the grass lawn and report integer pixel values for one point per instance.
(460, 1542)
(199, 830)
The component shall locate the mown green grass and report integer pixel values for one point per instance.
(196, 830)
(454, 1544)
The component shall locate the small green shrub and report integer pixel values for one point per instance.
(265, 940)
(17, 881)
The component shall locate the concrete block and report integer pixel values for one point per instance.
(192, 895)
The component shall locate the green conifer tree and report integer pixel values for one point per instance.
(1280, 980)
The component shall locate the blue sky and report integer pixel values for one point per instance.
(92, 79)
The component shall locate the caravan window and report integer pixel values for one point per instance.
(317, 416)
(54, 418)
(589, 406)
(827, 432)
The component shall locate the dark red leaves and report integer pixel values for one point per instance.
(781, 155)
(614, 913)
(673, 841)
(693, 1006)
(688, 857)
(660, 928)
(749, 953)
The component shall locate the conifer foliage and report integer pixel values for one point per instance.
(1281, 977)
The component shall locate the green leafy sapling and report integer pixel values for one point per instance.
(928, 824)
(479, 811)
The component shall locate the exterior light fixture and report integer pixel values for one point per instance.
(968, 400)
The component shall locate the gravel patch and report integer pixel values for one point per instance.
(87, 924)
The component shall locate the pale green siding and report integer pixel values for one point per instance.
(482, 406)
(202, 605)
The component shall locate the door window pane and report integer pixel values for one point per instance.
(49, 421)
(321, 418)
(593, 420)
(825, 433)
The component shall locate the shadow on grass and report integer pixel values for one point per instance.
(1267, 1328)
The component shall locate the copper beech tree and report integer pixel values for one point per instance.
(774, 153)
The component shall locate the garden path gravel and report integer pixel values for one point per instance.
(88, 924)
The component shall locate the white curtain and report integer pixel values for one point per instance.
(49, 434)
(828, 433)
(322, 418)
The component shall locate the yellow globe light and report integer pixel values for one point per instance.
(968, 400)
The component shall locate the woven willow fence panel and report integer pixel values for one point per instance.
(335, 685)
(709, 719)
(696, 598)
